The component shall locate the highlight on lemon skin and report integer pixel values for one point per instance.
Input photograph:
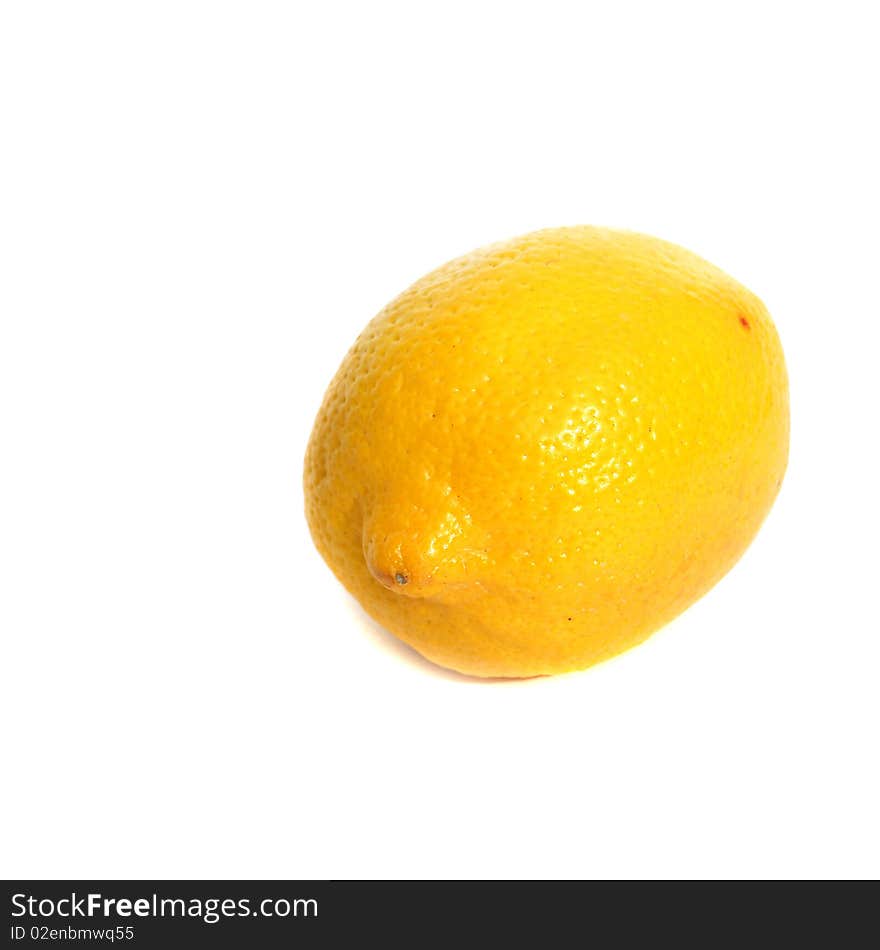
(548, 448)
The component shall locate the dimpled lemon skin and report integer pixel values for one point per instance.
(546, 449)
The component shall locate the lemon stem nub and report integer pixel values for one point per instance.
(400, 578)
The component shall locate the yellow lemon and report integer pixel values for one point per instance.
(546, 449)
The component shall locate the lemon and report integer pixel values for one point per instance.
(546, 449)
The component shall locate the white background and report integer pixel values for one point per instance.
(202, 204)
